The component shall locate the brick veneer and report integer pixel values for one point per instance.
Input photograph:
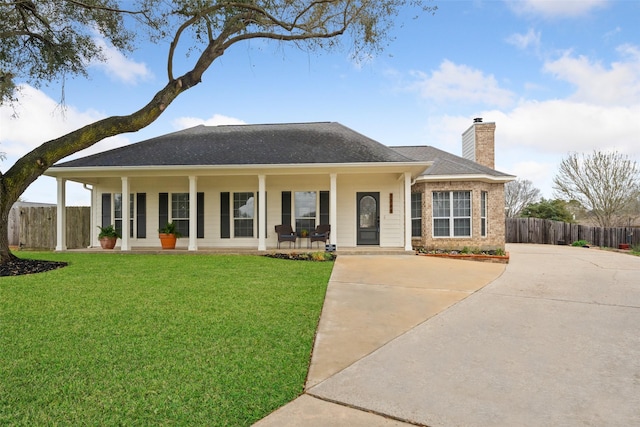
(485, 144)
(495, 238)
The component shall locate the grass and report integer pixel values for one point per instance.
(156, 339)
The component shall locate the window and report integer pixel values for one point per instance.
(131, 213)
(117, 212)
(416, 214)
(180, 212)
(243, 208)
(451, 213)
(305, 210)
(483, 214)
(137, 213)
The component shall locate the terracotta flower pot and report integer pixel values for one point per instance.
(108, 242)
(168, 241)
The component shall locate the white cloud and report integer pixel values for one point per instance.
(534, 137)
(38, 119)
(452, 82)
(119, 67)
(523, 41)
(618, 84)
(553, 8)
(562, 126)
(215, 120)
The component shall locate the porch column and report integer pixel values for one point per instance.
(193, 213)
(61, 216)
(333, 209)
(126, 221)
(262, 213)
(407, 212)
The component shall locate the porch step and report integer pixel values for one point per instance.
(373, 251)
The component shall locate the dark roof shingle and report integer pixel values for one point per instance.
(445, 163)
(326, 142)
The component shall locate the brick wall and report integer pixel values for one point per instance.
(495, 238)
(485, 144)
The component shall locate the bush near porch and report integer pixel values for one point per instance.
(123, 339)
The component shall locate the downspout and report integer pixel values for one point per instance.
(91, 216)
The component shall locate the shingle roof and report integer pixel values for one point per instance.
(445, 163)
(300, 143)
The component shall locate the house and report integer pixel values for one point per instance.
(229, 186)
(459, 201)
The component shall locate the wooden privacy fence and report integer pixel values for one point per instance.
(38, 227)
(546, 231)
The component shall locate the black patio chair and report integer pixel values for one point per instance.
(320, 234)
(285, 234)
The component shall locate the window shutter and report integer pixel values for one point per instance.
(141, 216)
(324, 207)
(286, 207)
(163, 209)
(106, 209)
(200, 215)
(225, 219)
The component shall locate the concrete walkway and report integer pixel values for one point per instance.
(554, 340)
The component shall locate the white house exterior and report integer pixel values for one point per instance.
(229, 186)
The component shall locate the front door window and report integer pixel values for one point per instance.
(368, 219)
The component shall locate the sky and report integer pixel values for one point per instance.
(557, 77)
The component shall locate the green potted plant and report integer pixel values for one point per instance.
(108, 237)
(168, 236)
(304, 233)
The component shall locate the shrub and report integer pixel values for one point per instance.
(580, 243)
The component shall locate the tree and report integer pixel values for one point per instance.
(48, 40)
(517, 195)
(604, 183)
(548, 209)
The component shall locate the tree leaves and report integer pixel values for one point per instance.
(605, 183)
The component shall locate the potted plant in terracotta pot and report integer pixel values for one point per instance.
(168, 236)
(108, 237)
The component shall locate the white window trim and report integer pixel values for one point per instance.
(171, 217)
(451, 217)
(419, 217)
(234, 218)
(484, 214)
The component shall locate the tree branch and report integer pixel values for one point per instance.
(107, 9)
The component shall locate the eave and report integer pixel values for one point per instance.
(88, 175)
(491, 179)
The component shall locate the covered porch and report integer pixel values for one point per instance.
(271, 198)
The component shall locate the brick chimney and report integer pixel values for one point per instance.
(478, 143)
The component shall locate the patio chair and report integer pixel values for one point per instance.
(285, 234)
(320, 234)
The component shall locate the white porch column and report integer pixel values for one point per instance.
(126, 220)
(262, 213)
(333, 209)
(61, 216)
(193, 213)
(407, 212)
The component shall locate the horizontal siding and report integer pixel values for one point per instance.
(348, 185)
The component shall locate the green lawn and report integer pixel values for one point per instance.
(118, 339)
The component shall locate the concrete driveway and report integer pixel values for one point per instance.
(554, 340)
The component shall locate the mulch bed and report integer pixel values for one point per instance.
(301, 256)
(19, 266)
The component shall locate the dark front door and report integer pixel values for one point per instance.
(368, 218)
